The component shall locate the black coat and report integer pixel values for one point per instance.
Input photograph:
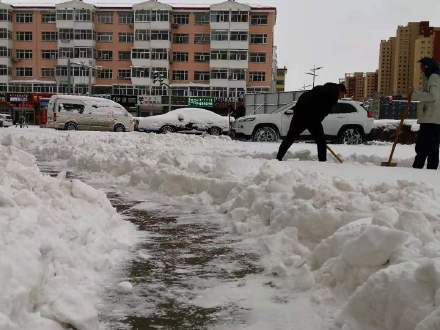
(316, 104)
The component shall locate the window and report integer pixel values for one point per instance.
(24, 36)
(5, 15)
(160, 35)
(201, 57)
(140, 54)
(124, 56)
(161, 71)
(257, 76)
(151, 16)
(124, 74)
(48, 72)
(257, 57)
(65, 53)
(159, 90)
(343, 108)
(202, 18)
(159, 54)
(84, 34)
(180, 57)
(105, 55)
(259, 19)
(23, 17)
(65, 34)
(219, 74)
(140, 72)
(105, 17)
(141, 35)
(180, 75)
(49, 36)
(200, 91)
(23, 72)
(201, 76)
(235, 55)
(5, 52)
(162, 16)
(258, 38)
(181, 38)
(64, 15)
(23, 54)
(219, 92)
(239, 16)
(5, 34)
(49, 54)
(48, 17)
(83, 52)
(105, 74)
(219, 16)
(126, 37)
(181, 19)
(219, 55)
(237, 74)
(4, 70)
(219, 35)
(104, 36)
(201, 38)
(125, 17)
(239, 36)
(83, 15)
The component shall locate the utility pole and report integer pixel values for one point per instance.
(313, 73)
(158, 77)
(69, 77)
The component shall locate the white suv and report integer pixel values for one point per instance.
(348, 122)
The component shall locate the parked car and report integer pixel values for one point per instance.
(188, 120)
(71, 112)
(347, 123)
(5, 120)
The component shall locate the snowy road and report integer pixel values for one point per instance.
(235, 240)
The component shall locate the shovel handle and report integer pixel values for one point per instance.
(334, 154)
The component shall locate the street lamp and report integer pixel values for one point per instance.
(313, 73)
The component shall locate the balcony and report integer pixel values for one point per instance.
(228, 44)
(229, 64)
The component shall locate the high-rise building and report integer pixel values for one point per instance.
(386, 66)
(370, 84)
(355, 84)
(223, 50)
(281, 79)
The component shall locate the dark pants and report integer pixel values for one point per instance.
(427, 146)
(299, 125)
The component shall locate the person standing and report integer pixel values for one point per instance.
(428, 114)
(309, 112)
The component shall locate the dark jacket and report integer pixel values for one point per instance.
(432, 66)
(316, 104)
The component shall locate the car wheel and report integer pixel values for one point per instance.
(351, 135)
(71, 127)
(119, 128)
(265, 134)
(167, 129)
(215, 131)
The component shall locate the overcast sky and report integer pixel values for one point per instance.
(340, 35)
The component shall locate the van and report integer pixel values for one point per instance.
(71, 112)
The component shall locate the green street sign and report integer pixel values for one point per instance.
(201, 102)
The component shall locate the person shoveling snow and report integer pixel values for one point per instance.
(311, 109)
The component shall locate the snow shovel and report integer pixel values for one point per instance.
(404, 115)
(334, 154)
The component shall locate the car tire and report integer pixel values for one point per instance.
(351, 135)
(265, 134)
(70, 126)
(217, 131)
(167, 129)
(119, 128)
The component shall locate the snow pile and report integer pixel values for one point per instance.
(59, 240)
(361, 240)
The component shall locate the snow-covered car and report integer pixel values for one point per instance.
(348, 123)
(72, 112)
(5, 120)
(185, 120)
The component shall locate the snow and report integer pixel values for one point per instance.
(392, 124)
(59, 240)
(352, 246)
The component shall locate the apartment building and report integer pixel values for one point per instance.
(399, 69)
(370, 84)
(281, 79)
(221, 51)
(361, 85)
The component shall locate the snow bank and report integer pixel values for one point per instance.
(59, 240)
(356, 238)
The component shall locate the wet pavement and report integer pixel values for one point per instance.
(181, 255)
